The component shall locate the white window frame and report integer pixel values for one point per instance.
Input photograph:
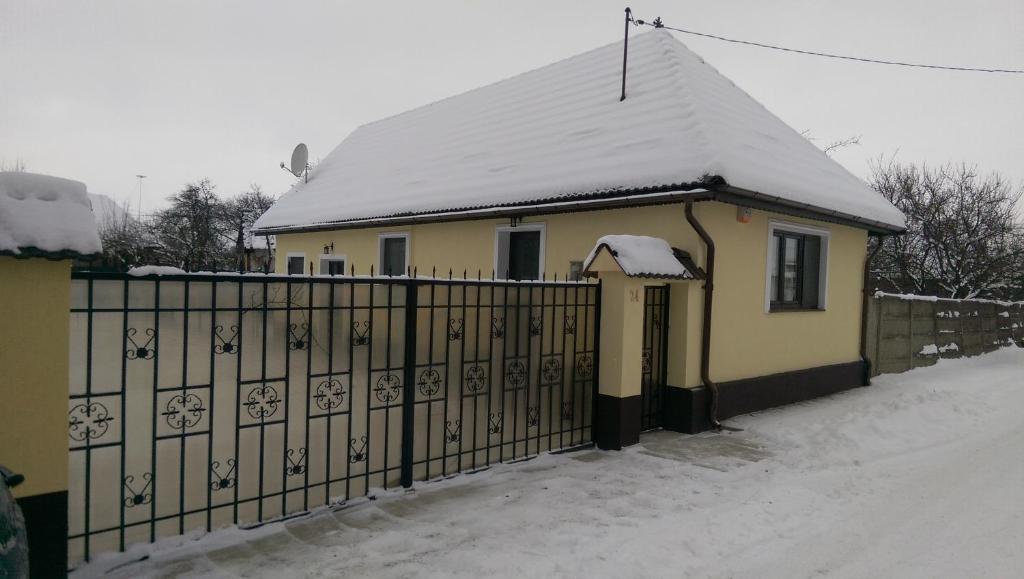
(506, 229)
(380, 250)
(288, 258)
(770, 256)
(332, 257)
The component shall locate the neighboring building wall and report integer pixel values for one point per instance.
(34, 309)
(34, 317)
(746, 341)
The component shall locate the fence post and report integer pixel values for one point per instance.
(409, 382)
(597, 362)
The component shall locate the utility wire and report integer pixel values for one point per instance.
(657, 24)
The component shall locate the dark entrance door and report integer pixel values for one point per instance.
(524, 255)
(654, 359)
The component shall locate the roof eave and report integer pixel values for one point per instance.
(627, 198)
(747, 198)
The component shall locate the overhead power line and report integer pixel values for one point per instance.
(658, 24)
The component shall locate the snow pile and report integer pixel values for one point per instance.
(561, 133)
(640, 256)
(918, 475)
(45, 213)
(143, 270)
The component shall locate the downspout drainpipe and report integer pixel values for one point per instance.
(864, 311)
(705, 334)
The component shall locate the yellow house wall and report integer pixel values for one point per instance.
(746, 341)
(34, 318)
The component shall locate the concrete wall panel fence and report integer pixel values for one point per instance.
(199, 401)
(906, 332)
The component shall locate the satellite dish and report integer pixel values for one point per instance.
(299, 158)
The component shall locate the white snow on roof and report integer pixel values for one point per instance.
(560, 131)
(107, 210)
(46, 213)
(640, 256)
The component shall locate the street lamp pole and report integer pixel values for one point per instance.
(139, 210)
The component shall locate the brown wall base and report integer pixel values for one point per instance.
(46, 523)
(618, 422)
(687, 408)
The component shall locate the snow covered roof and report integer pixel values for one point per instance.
(107, 210)
(561, 133)
(642, 256)
(40, 214)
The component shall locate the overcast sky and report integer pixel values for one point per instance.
(179, 90)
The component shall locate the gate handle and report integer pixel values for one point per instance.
(11, 478)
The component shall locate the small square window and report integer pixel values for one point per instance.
(575, 270)
(296, 264)
(332, 265)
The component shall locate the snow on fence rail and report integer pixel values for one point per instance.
(908, 331)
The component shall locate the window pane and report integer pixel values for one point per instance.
(393, 260)
(524, 255)
(790, 269)
(775, 268)
(332, 267)
(295, 265)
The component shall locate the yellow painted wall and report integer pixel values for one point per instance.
(746, 341)
(34, 318)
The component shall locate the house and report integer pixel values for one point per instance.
(45, 223)
(757, 236)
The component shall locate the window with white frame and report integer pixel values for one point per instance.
(296, 263)
(394, 253)
(519, 251)
(331, 264)
(797, 267)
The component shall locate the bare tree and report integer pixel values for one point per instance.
(962, 239)
(187, 232)
(126, 241)
(833, 145)
(237, 216)
(16, 166)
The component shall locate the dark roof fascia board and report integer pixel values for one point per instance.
(746, 198)
(35, 252)
(627, 199)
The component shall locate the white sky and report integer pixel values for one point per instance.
(179, 90)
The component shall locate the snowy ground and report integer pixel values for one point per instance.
(921, 475)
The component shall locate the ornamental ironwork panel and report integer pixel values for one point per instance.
(201, 400)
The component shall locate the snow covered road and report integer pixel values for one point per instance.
(920, 475)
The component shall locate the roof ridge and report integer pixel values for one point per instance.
(673, 45)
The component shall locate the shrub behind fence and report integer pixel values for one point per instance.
(907, 332)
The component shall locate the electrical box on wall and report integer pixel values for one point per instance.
(743, 214)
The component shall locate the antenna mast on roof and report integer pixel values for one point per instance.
(625, 43)
(625, 51)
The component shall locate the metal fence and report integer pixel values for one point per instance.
(199, 401)
(905, 333)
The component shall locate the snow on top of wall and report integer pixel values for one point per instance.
(560, 132)
(640, 256)
(917, 298)
(46, 213)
